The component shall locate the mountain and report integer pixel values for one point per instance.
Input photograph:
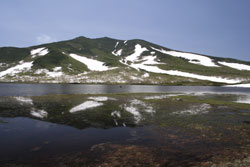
(112, 61)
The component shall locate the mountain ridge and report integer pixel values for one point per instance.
(133, 61)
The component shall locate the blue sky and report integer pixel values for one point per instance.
(213, 27)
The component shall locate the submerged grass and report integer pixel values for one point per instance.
(215, 101)
(3, 122)
(219, 135)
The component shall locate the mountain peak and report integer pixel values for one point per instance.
(80, 38)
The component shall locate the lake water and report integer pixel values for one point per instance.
(111, 125)
(9, 89)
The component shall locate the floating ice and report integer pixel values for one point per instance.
(99, 98)
(161, 96)
(134, 106)
(39, 113)
(85, 105)
(24, 100)
(195, 110)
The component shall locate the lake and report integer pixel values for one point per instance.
(14, 89)
(123, 125)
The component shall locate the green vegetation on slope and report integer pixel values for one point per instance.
(101, 49)
(57, 59)
(12, 54)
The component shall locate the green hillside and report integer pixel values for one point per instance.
(112, 61)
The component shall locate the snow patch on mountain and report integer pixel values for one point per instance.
(137, 53)
(202, 77)
(57, 72)
(21, 67)
(57, 69)
(117, 53)
(147, 62)
(239, 85)
(236, 65)
(146, 75)
(193, 58)
(116, 114)
(137, 61)
(116, 44)
(39, 52)
(4, 65)
(41, 71)
(92, 64)
(155, 69)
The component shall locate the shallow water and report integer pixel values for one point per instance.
(24, 137)
(146, 129)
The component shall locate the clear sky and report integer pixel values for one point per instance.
(213, 27)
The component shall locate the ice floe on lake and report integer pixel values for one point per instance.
(245, 100)
(136, 108)
(99, 98)
(133, 110)
(34, 112)
(161, 96)
(38, 113)
(24, 100)
(195, 110)
(85, 105)
(115, 115)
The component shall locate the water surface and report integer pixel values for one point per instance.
(14, 89)
(106, 125)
